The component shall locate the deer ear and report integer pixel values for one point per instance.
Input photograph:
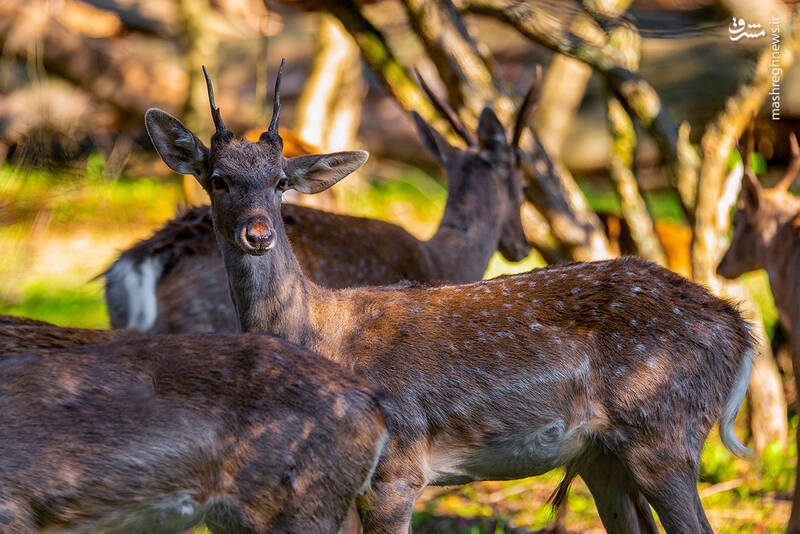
(752, 193)
(434, 142)
(180, 149)
(317, 172)
(491, 134)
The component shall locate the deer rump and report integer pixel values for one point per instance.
(246, 433)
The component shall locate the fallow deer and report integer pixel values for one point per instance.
(174, 281)
(20, 334)
(766, 235)
(246, 433)
(616, 369)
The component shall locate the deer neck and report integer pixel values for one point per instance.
(781, 263)
(468, 232)
(270, 293)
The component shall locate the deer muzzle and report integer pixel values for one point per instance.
(256, 236)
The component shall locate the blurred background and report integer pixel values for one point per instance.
(640, 110)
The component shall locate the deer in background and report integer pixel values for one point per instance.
(174, 281)
(766, 235)
(616, 369)
(245, 433)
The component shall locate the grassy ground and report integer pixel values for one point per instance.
(58, 231)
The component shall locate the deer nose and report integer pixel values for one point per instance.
(258, 235)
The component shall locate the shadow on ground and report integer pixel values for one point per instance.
(424, 523)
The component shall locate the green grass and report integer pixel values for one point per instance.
(663, 202)
(82, 307)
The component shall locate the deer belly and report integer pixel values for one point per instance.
(517, 455)
(168, 513)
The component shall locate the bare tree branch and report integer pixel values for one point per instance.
(638, 97)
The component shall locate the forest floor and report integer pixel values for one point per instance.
(58, 231)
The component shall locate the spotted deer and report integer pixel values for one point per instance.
(245, 433)
(20, 334)
(615, 369)
(766, 235)
(174, 281)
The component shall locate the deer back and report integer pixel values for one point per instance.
(19, 334)
(154, 435)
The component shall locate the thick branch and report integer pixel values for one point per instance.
(379, 56)
(638, 97)
(466, 75)
(634, 209)
(623, 141)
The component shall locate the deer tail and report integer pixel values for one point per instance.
(734, 401)
(131, 292)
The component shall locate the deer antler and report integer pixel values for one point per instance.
(794, 165)
(276, 107)
(448, 112)
(527, 105)
(218, 124)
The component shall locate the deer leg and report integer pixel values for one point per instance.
(13, 520)
(621, 507)
(391, 507)
(396, 485)
(669, 482)
(352, 523)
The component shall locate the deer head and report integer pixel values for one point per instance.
(245, 179)
(492, 156)
(760, 212)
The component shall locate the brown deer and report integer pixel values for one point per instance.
(616, 369)
(766, 235)
(20, 334)
(174, 281)
(246, 433)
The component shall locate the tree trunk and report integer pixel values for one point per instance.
(329, 108)
(623, 141)
(200, 46)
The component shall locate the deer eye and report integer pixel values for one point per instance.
(218, 183)
(283, 183)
